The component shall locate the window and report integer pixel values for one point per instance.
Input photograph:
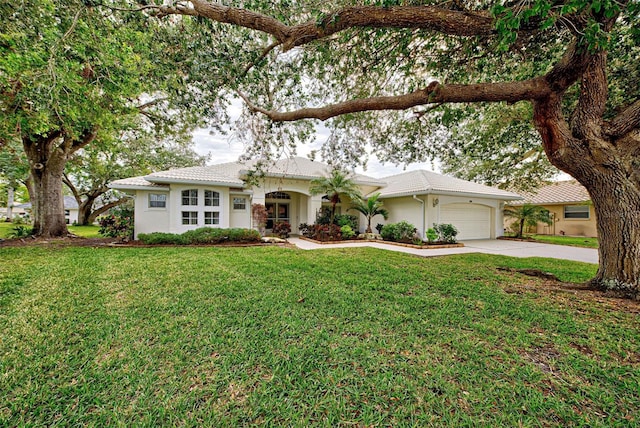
(157, 200)
(576, 212)
(190, 197)
(277, 195)
(211, 217)
(240, 204)
(67, 213)
(211, 198)
(189, 217)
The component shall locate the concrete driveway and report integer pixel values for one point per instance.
(488, 246)
(533, 249)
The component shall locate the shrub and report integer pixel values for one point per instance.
(117, 225)
(203, 235)
(399, 232)
(379, 227)
(282, 229)
(305, 229)
(347, 232)
(347, 220)
(432, 235)
(446, 232)
(211, 235)
(20, 231)
(321, 232)
(159, 238)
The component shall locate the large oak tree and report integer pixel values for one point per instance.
(405, 60)
(74, 75)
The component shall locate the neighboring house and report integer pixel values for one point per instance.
(570, 207)
(70, 209)
(15, 211)
(218, 195)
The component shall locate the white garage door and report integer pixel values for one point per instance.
(473, 221)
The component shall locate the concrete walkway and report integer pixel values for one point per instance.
(487, 246)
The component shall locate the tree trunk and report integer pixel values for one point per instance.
(607, 169)
(616, 201)
(10, 200)
(84, 211)
(47, 201)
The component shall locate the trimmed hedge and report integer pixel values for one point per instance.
(203, 235)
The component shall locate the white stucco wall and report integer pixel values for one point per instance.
(409, 209)
(146, 219)
(240, 217)
(72, 217)
(404, 208)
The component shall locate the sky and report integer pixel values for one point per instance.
(224, 148)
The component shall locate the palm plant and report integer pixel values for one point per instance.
(336, 184)
(530, 215)
(370, 207)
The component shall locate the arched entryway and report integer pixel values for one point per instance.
(278, 205)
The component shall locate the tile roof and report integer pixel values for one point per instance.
(229, 174)
(561, 192)
(135, 183)
(224, 174)
(300, 167)
(70, 203)
(423, 182)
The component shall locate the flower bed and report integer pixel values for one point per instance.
(425, 246)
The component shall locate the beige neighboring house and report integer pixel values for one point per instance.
(570, 206)
(219, 195)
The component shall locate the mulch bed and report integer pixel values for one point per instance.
(79, 241)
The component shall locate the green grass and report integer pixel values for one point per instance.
(5, 228)
(85, 231)
(574, 241)
(90, 231)
(281, 337)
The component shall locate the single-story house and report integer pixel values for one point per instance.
(15, 211)
(570, 206)
(70, 209)
(222, 195)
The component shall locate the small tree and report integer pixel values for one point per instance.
(530, 215)
(259, 215)
(338, 183)
(370, 207)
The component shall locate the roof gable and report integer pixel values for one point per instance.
(560, 192)
(425, 182)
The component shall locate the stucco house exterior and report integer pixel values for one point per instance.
(570, 207)
(221, 196)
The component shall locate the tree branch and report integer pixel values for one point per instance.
(105, 208)
(624, 122)
(86, 138)
(67, 181)
(151, 103)
(435, 93)
(446, 21)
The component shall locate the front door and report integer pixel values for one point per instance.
(277, 212)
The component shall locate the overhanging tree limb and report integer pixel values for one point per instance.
(446, 21)
(435, 93)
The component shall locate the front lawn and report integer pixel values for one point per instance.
(574, 241)
(282, 337)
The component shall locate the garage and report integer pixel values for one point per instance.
(473, 221)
